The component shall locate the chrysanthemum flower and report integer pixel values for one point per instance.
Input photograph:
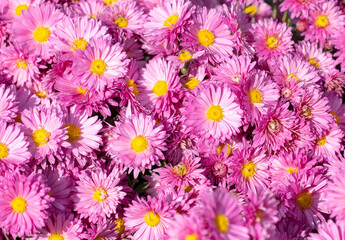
(326, 19)
(90, 8)
(165, 22)
(14, 8)
(139, 143)
(103, 230)
(209, 34)
(159, 87)
(75, 33)
(62, 226)
(23, 204)
(274, 128)
(298, 8)
(99, 64)
(98, 194)
(196, 77)
(43, 128)
(217, 168)
(335, 81)
(259, 94)
(329, 230)
(149, 218)
(213, 113)
(339, 44)
(35, 26)
(337, 109)
(249, 168)
(8, 103)
(82, 132)
(186, 228)
(13, 146)
(271, 39)
(221, 213)
(21, 63)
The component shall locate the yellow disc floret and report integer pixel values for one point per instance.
(100, 194)
(82, 90)
(192, 83)
(139, 144)
(255, 96)
(291, 170)
(152, 219)
(322, 141)
(41, 34)
(120, 226)
(171, 21)
(3, 151)
(130, 83)
(121, 22)
(304, 200)
(251, 10)
(18, 205)
(336, 118)
(160, 88)
(41, 137)
(321, 21)
(222, 223)
(206, 37)
(79, 44)
(22, 63)
(180, 170)
(184, 56)
(314, 62)
(73, 132)
(98, 67)
(248, 169)
(19, 9)
(272, 42)
(192, 237)
(215, 113)
(56, 236)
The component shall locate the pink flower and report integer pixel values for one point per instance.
(8, 103)
(329, 230)
(90, 8)
(298, 8)
(334, 195)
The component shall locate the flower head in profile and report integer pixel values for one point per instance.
(8, 103)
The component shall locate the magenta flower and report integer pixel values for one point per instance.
(329, 230)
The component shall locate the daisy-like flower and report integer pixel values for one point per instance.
(326, 19)
(90, 8)
(82, 132)
(104, 230)
(44, 130)
(271, 39)
(221, 213)
(125, 17)
(334, 195)
(259, 94)
(249, 168)
(149, 218)
(209, 34)
(196, 77)
(139, 143)
(329, 230)
(62, 226)
(213, 113)
(75, 33)
(14, 8)
(8, 103)
(335, 81)
(35, 26)
(165, 22)
(274, 128)
(159, 87)
(330, 143)
(217, 168)
(13, 146)
(23, 204)
(98, 194)
(100, 64)
(298, 8)
(21, 63)
(186, 228)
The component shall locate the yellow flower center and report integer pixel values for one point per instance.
(19, 9)
(291, 170)
(109, 2)
(180, 170)
(41, 137)
(160, 88)
(187, 189)
(120, 226)
(92, 16)
(100, 194)
(3, 151)
(255, 96)
(251, 10)
(130, 83)
(314, 62)
(192, 237)
(121, 22)
(41, 95)
(139, 144)
(192, 83)
(18, 118)
(321, 21)
(291, 76)
(82, 90)
(73, 132)
(41, 34)
(152, 219)
(215, 113)
(170, 21)
(98, 66)
(205, 37)
(248, 169)
(304, 200)
(221, 147)
(56, 236)
(18, 205)
(306, 112)
(272, 42)
(222, 223)
(79, 44)
(22, 63)
(337, 120)
(184, 56)
(322, 141)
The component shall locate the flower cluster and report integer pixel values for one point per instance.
(172, 119)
